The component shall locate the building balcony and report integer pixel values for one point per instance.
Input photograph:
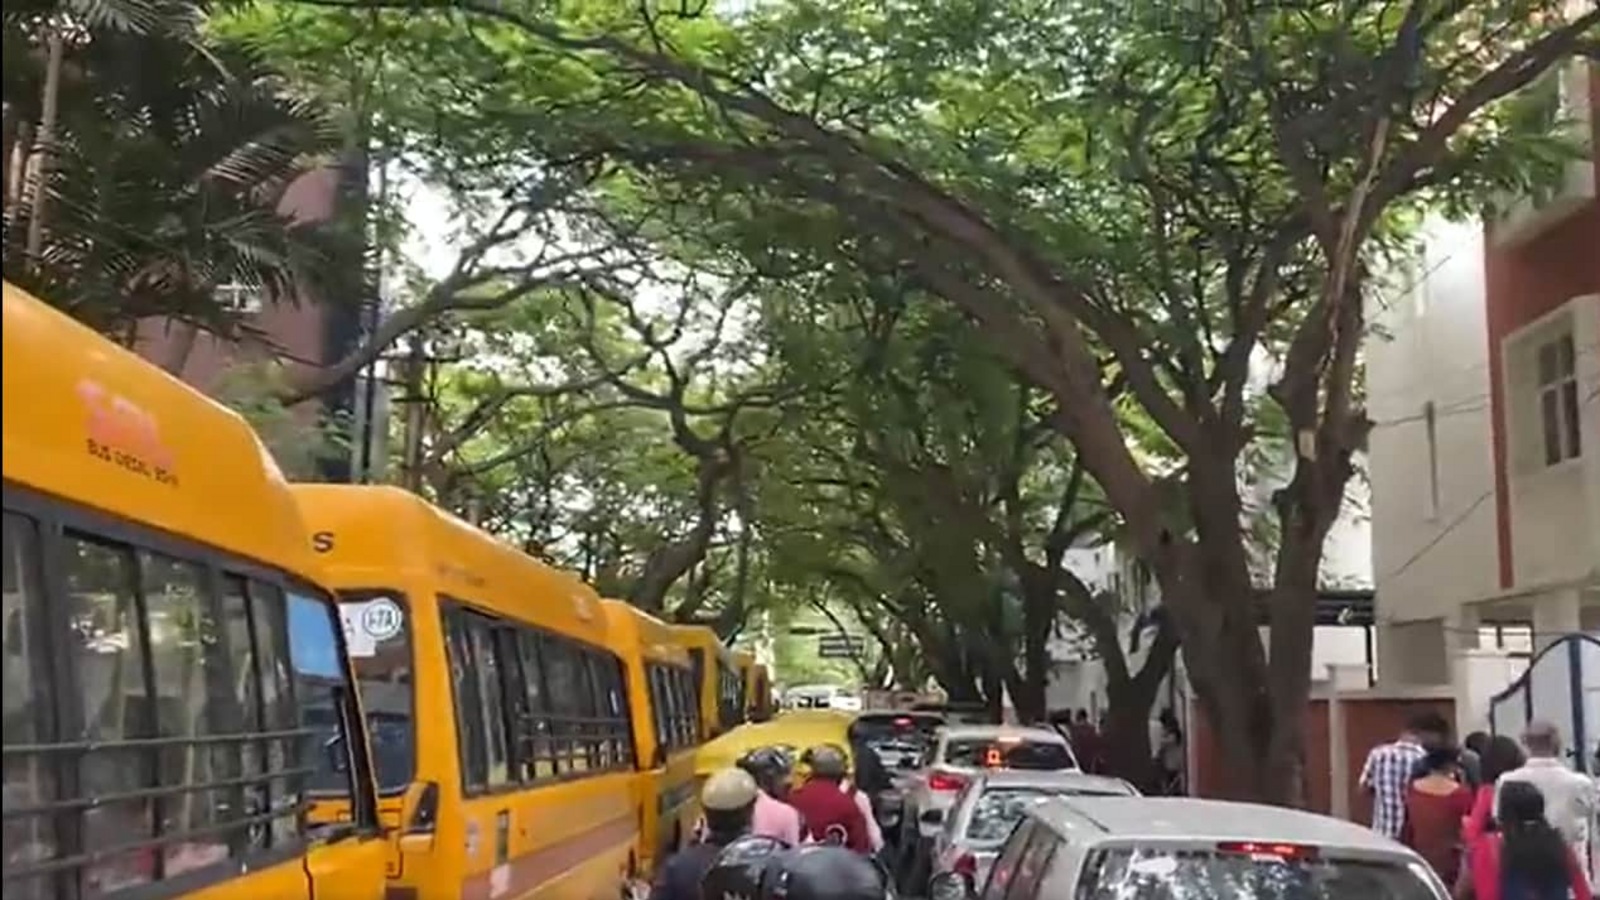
(1572, 98)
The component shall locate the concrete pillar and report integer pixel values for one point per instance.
(1343, 679)
(1461, 643)
(1417, 652)
(1555, 614)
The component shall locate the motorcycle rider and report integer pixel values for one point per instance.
(773, 817)
(831, 815)
(743, 868)
(821, 872)
(863, 801)
(729, 799)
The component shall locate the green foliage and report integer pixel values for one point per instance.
(961, 222)
(169, 157)
(299, 439)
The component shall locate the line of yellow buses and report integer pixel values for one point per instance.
(220, 685)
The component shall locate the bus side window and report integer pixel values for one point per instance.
(29, 719)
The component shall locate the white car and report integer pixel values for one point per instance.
(961, 751)
(1174, 848)
(991, 806)
(993, 803)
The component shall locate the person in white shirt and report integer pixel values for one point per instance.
(1571, 798)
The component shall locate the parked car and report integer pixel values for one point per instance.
(1174, 848)
(991, 805)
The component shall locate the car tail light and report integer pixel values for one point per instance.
(946, 781)
(1268, 849)
(965, 864)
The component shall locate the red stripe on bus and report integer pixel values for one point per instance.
(531, 870)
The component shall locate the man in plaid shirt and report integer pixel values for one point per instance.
(1387, 773)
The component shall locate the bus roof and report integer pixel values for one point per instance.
(91, 422)
(701, 638)
(654, 637)
(381, 537)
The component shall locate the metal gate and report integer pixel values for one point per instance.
(1562, 685)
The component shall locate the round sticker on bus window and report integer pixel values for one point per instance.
(382, 619)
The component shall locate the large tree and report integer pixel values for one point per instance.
(1177, 203)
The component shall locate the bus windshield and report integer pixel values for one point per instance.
(377, 631)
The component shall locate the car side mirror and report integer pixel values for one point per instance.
(951, 886)
(932, 817)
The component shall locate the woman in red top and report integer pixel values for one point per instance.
(1499, 756)
(1436, 805)
(1527, 859)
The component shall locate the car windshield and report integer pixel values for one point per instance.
(896, 738)
(996, 812)
(1024, 754)
(1160, 874)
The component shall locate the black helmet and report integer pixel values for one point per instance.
(828, 761)
(769, 766)
(740, 870)
(819, 872)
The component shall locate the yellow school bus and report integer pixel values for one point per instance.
(176, 687)
(498, 714)
(718, 690)
(666, 729)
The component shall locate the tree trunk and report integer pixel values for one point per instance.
(180, 348)
(1038, 622)
(50, 104)
(1126, 741)
(1228, 671)
(671, 561)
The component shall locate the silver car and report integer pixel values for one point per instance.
(992, 804)
(1176, 848)
(961, 752)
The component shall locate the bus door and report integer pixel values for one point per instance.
(348, 856)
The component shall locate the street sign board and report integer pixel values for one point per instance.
(839, 646)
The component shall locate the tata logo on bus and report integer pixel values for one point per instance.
(123, 433)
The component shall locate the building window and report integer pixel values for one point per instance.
(240, 298)
(1558, 400)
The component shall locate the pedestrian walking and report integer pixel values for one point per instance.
(1526, 859)
(1387, 773)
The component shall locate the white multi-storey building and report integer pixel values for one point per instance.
(1484, 387)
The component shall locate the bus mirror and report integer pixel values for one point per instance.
(333, 749)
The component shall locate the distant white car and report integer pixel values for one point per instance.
(960, 752)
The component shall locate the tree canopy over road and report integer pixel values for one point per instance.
(870, 308)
